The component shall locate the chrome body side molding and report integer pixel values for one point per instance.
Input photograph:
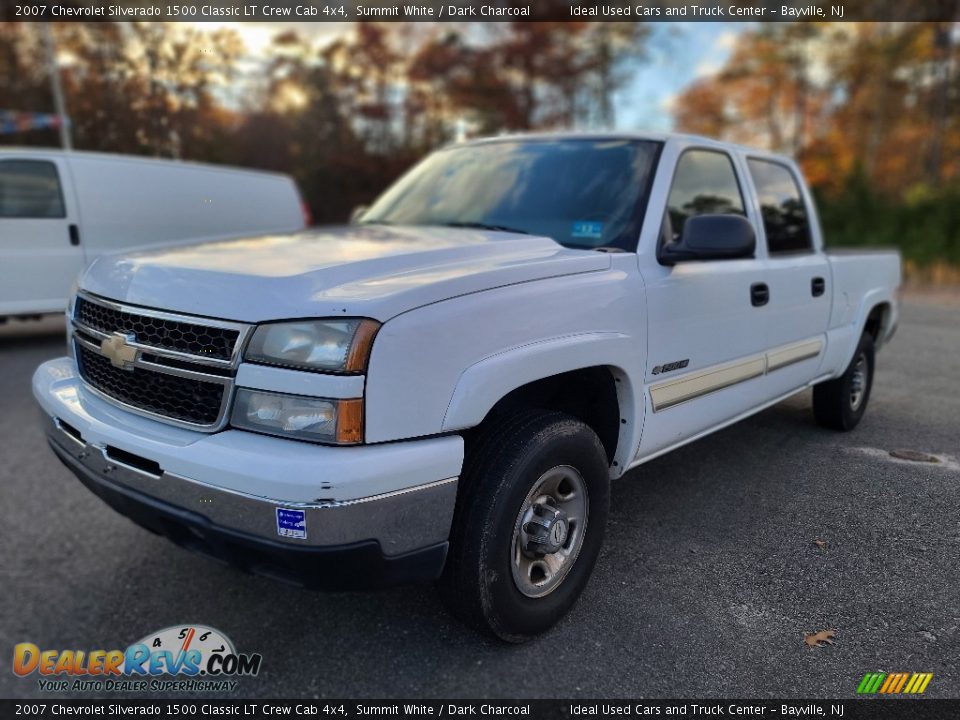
(672, 392)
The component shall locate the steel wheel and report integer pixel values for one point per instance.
(513, 568)
(549, 530)
(840, 403)
(858, 382)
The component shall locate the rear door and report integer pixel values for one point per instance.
(40, 254)
(706, 319)
(797, 273)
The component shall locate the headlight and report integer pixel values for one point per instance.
(304, 418)
(340, 346)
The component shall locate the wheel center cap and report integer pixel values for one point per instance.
(545, 530)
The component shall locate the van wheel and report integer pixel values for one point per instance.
(529, 523)
(839, 404)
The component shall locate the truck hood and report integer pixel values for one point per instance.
(370, 271)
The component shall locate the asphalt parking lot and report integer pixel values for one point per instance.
(710, 577)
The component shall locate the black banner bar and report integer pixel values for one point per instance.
(478, 10)
(894, 708)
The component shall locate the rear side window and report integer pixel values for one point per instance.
(785, 219)
(30, 189)
(704, 183)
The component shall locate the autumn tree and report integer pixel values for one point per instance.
(872, 112)
(345, 116)
(24, 82)
(880, 97)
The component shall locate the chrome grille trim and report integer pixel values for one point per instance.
(84, 336)
(243, 331)
(139, 362)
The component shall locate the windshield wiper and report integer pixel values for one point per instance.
(484, 226)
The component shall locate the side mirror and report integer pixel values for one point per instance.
(358, 211)
(711, 237)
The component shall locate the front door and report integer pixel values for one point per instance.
(707, 320)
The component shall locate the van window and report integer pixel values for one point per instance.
(785, 220)
(703, 183)
(30, 189)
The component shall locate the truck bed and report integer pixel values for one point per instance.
(861, 279)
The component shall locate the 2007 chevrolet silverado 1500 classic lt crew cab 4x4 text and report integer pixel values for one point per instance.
(445, 388)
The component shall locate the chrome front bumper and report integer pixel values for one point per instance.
(401, 521)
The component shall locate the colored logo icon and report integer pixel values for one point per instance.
(894, 683)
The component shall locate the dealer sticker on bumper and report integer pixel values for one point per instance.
(291, 523)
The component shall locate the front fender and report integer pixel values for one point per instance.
(487, 381)
(441, 368)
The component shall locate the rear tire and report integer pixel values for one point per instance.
(530, 519)
(839, 404)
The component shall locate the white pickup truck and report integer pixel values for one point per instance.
(446, 388)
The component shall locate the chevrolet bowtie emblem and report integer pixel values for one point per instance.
(118, 350)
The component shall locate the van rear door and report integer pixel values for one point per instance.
(40, 251)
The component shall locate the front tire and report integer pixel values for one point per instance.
(530, 520)
(839, 404)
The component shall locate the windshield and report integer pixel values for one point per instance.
(581, 193)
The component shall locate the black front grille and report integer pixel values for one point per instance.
(175, 335)
(172, 396)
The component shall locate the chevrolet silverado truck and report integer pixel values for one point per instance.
(445, 388)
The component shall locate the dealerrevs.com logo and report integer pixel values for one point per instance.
(196, 657)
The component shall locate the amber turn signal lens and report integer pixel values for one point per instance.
(350, 421)
(359, 354)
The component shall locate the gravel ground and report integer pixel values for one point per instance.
(710, 577)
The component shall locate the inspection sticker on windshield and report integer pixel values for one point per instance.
(587, 229)
(292, 523)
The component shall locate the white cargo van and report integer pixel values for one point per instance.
(59, 210)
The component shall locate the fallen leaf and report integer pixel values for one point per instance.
(819, 639)
(822, 544)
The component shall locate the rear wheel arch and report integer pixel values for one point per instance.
(877, 321)
(874, 323)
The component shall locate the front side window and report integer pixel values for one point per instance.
(583, 193)
(704, 183)
(30, 189)
(785, 220)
